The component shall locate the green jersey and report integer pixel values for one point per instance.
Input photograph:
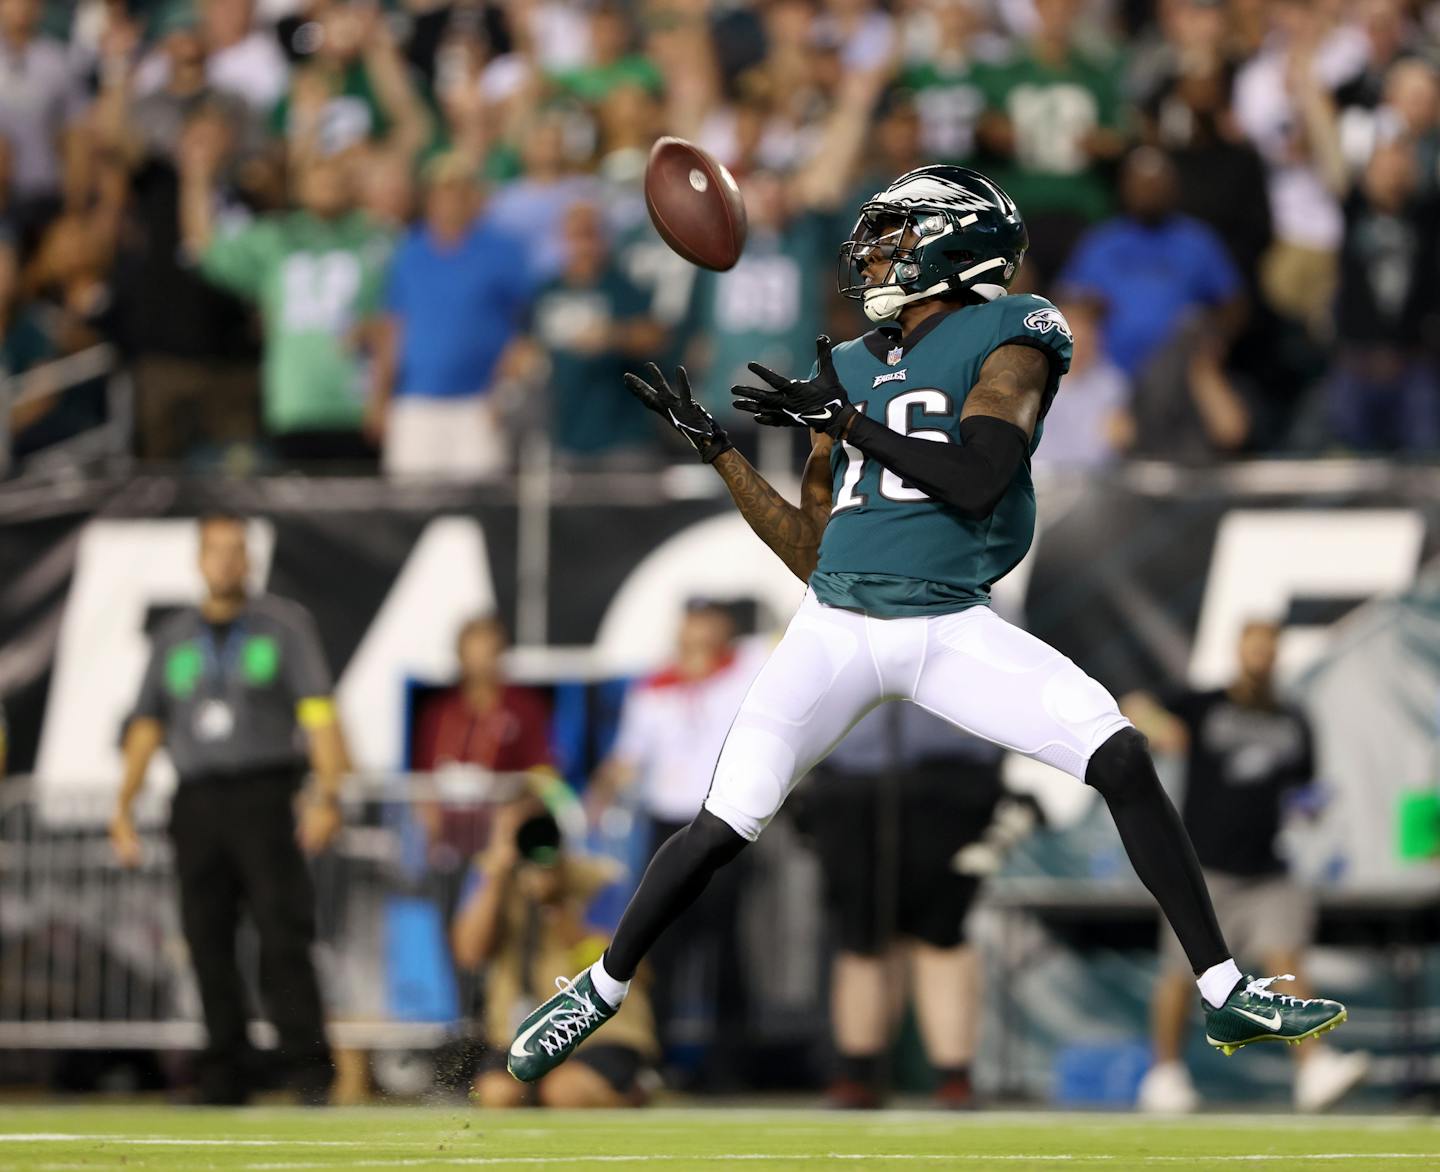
(949, 100)
(767, 309)
(314, 280)
(1053, 109)
(889, 550)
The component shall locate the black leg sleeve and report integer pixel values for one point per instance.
(672, 882)
(1155, 839)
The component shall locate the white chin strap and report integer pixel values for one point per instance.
(884, 302)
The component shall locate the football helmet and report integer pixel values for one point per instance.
(942, 230)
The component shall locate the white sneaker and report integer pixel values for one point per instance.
(1327, 1077)
(1166, 1089)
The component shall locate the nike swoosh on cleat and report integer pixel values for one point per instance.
(1269, 1024)
(517, 1047)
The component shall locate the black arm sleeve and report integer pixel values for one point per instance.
(970, 477)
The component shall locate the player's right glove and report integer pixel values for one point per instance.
(679, 409)
(819, 403)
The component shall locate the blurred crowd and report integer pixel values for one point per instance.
(411, 233)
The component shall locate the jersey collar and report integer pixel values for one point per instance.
(883, 339)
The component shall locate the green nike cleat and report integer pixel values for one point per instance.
(1253, 1013)
(549, 1035)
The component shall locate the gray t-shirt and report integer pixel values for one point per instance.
(39, 98)
(228, 695)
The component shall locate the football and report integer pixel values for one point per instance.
(695, 204)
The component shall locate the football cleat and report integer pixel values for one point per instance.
(550, 1035)
(1255, 1013)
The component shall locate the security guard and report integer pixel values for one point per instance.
(238, 692)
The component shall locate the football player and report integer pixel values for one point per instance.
(915, 500)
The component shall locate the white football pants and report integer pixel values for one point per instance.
(833, 666)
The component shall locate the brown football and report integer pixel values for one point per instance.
(694, 204)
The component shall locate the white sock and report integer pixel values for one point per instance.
(1216, 983)
(611, 991)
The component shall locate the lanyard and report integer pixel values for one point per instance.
(220, 659)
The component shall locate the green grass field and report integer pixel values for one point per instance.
(61, 1139)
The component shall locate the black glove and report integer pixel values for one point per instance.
(820, 402)
(679, 409)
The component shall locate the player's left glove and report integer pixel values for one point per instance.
(679, 409)
(820, 402)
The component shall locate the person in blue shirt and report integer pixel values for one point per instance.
(450, 312)
(1172, 299)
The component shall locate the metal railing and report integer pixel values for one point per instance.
(92, 956)
(109, 439)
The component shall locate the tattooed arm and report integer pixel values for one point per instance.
(996, 424)
(1011, 387)
(793, 533)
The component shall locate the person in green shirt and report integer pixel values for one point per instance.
(355, 89)
(315, 273)
(770, 306)
(591, 322)
(1054, 118)
(946, 85)
(612, 60)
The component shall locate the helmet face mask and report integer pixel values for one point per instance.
(934, 231)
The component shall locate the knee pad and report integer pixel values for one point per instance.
(712, 839)
(1121, 768)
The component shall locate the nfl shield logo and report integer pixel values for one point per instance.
(893, 358)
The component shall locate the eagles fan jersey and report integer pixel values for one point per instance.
(889, 550)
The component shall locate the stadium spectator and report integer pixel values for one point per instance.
(671, 730)
(484, 722)
(1089, 425)
(524, 917)
(891, 811)
(1054, 115)
(316, 273)
(135, 121)
(42, 111)
(590, 323)
(1410, 113)
(532, 206)
(1391, 37)
(243, 59)
(1188, 116)
(945, 82)
(611, 62)
(1172, 299)
(189, 345)
(1283, 103)
(354, 88)
(1246, 753)
(1384, 393)
(455, 298)
(238, 693)
(770, 306)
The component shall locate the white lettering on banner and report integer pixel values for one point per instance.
(1266, 558)
(716, 558)
(122, 570)
(445, 580)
